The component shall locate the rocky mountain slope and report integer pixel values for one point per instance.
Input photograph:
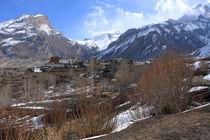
(190, 34)
(32, 36)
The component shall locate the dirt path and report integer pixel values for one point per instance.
(194, 125)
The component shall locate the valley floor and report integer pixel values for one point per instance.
(192, 125)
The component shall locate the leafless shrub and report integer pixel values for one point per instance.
(166, 84)
(56, 115)
(93, 119)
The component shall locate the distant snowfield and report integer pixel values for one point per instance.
(101, 41)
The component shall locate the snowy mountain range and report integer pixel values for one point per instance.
(32, 36)
(190, 33)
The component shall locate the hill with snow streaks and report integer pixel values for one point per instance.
(190, 34)
(32, 36)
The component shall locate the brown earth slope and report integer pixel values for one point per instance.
(193, 125)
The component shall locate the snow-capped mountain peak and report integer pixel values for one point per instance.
(28, 23)
(100, 42)
(30, 36)
(193, 14)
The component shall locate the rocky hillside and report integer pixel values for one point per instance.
(32, 36)
(190, 34)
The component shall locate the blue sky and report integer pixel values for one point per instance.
(79, 19)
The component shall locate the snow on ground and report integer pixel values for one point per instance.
(194, 108)
(204, 51)
(36, 121)
(128, 117)
(126, 103)
(94, 137)
(196, 65)
(33, 107)
(198, 88)
(37, 69)
(207, 77)
(28, 103)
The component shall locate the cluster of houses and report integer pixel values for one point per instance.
(58, 64)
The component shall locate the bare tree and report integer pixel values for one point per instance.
(166, 84)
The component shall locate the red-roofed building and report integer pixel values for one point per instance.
(55, 59)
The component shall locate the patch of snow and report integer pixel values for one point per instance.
(177, 29)
(10, 42)
(196, 108)
(154, 49)
(207, 77)
(36, 69)
(126, 103)
(204, 51)
(20, 32)
(196, 65)
(23, 17)
(37, 122)
(164, 47)
(38, 15)
(94, 137)
(148, 30)
(198, 88)
(167, 30)
(19, 104)
(190, 27)
(126, 118)
(33, 107)
(46, 28)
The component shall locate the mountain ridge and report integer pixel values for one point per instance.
(151, 41)
(32, 36)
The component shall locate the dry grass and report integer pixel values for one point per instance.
(56, 115)
(91, 117)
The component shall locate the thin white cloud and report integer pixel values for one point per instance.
(98, 11)
(208, 1)
(105, 4)
(122, 20)
(96, 16)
